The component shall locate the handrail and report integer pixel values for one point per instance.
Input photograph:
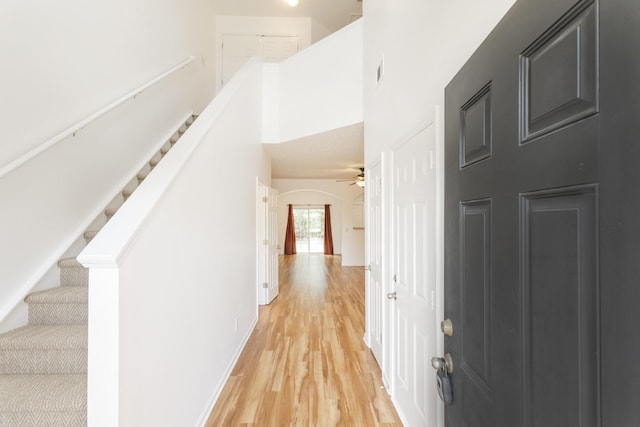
(93, 117)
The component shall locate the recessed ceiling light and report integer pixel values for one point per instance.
(292, 3)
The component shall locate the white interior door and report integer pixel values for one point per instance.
(375, 288)
(272, 245)
(277, 48)
(262, 261)
(414, 264)
(267, 238)
(237, 49)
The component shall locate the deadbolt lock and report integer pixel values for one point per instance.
(446, 327)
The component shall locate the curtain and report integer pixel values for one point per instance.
(290, 235)
(328, 237)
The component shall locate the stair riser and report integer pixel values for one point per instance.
(74, 276)
(69, 361)
(42, 418)
(57, 314)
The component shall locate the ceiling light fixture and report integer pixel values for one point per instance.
(360, 183)
(292, 3)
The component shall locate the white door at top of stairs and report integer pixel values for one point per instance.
(237, 49)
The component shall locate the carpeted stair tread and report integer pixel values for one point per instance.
(90, 234)
(62, 294)
(44, 349)
(45, 337)
(127, 192)
(70, 262)
(65, 305)
(72, 273)
(109, 212)
(43, 400)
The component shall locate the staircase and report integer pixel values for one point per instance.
(43, 365)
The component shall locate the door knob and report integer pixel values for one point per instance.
(446, 327)
(392, 295)
(444, 363)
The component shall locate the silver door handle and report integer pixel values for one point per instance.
(367, 268)
(392, 295)
(445, 362)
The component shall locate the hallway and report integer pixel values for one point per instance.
(306, 363)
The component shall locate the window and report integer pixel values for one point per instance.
(309, 229)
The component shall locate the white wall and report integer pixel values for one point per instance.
(347, 241)
(184, 250)
(320, 88)
(62, 62)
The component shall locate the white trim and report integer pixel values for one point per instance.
(85, 122)
(227, 373)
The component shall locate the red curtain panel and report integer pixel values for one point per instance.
(328, 237)
(290, 235)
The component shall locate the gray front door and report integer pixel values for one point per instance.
(542, 242)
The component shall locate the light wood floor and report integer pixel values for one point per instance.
(306, 363)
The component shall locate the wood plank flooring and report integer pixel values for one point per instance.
(306, 363)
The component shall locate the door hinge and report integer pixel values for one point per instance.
(265, 199)
(266, 242)
(265, 285)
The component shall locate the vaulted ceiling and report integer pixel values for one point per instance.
(335, 154)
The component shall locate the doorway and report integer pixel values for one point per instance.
(309, 225)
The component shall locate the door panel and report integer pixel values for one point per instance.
(560, 307)
(414, 265)
(520, 222)
(237, 49)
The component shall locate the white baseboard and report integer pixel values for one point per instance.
(227, 373)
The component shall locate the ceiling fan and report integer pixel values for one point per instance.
(357, 180)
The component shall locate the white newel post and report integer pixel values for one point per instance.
(104, 326)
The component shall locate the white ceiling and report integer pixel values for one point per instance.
(336, 154)
(332, 14)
